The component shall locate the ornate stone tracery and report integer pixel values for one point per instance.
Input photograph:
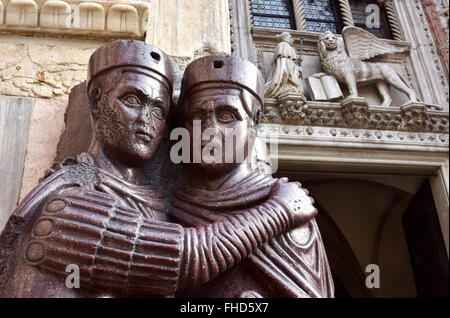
(354, 114)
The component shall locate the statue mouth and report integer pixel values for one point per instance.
(331, 46)
(144, 135)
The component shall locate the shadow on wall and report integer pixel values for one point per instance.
(361, 224)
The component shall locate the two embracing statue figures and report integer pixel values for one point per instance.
(227, 230)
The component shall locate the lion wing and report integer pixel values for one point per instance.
(363, 45)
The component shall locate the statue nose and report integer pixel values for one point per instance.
(210, 128)
(145, 117)
(210, 122)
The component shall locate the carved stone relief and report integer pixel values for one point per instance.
(22, 13)
(92, 16)
(76, 17)
(285, 75)
(122, 18)
(119, 218)
(350, 69)
(55, 14)
(356, 113)
(425, 62)
(362, 135)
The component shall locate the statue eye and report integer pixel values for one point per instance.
(131, 100)
(158, 113)
(226, 116)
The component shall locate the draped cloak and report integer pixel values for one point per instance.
(285, 75)
(16, 278)
(288, 266)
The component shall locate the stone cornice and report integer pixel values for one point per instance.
(94, 19)
(357, 114)
(354, 138)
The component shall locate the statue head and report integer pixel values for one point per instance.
(223, 94)
(130, 93)
(285, 37)
(328, 42)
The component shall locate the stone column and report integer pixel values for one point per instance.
(299, 15)
(241, 25)
(439, 36)
(346, 12)
(426, 65)
(392, 17)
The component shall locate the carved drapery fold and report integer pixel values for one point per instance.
(346, 12)
(392, 17)
(299, 15)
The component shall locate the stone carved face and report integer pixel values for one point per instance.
(222, 111)
(132, 116)
(329, 40)
(285, 37)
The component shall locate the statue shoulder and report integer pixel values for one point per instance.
(72, 173)
(22, 218)
(284, 49)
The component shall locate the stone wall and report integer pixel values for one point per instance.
(45, 69)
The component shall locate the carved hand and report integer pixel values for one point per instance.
(296, 198)
(119, 249)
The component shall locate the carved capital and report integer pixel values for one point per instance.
(415, 116)
(293, 107)
(355, 112)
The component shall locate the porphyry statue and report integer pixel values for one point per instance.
(284, 76)
(94, 213)
(224, 92)
(348, 64)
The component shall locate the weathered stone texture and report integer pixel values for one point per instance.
(15, 114)
(78, 130)
(185, 27)
(38, 70)
(47, 125)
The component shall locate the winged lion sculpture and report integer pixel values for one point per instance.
(348, 64)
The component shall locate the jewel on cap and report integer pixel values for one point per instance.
(223, 69)
(130, 53)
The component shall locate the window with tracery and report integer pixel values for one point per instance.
(360, 14)
(278, 14)
(322, 15)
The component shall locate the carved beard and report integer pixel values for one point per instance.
(109, 126)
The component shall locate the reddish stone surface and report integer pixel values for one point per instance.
(440, 39)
